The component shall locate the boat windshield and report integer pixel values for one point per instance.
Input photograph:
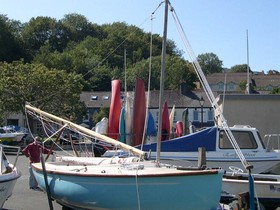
(244, 139)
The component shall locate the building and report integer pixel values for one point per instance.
(197, 114)
(259, 110)
(232, 82)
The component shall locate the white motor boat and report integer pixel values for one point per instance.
(219, 150)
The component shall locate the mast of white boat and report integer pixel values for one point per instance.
(149, 84)
(125, 85)
(224, 94)
(87, 131)
(209, 93)
(248, 86)
(162, 79)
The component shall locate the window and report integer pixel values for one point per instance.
(157, 116)
(210, 115)
(105, 97)
(221, 86)
(231, 86)
(195, 115)
(244, 139)
(12, 122)
(94, 98)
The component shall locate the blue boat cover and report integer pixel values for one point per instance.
(151, 126)
(205, 138)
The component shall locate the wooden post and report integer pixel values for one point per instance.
(201, 162)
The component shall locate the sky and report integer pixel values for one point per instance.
(222, 27)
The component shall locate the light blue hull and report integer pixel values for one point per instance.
(131, 192)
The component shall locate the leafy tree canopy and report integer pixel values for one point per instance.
(240, 68)
(177, 71)
(276, 90)
(49, 89)
(210, 63)
(11, 46)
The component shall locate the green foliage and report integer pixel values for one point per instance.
(275, 91)
(177, 71)
(273, 72)
(210, 63)
(79, 27)
(240, 68)
(242, 85)
(103, 112)
(49, 89)
(11, 46)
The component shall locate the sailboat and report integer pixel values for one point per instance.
(125, 182)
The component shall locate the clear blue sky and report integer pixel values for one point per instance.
(217, 26)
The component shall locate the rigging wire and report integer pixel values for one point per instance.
(208, 90)
(149, 79)
(149, 84)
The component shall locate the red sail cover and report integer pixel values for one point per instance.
(165, 129)
(139, 112)
(115, 110)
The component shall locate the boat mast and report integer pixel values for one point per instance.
(162, 79)
(204, 83)
(149, 85)
(125, 85)
(248, 69)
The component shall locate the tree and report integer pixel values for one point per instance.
(178, 71)
(96, 52)
(240, 68)
(79, 27)
(210, 63)
(103, 112)
(48, 89)
(11, 46)
(242, 85)
(275, 91)
(44, 31)
(273, 72)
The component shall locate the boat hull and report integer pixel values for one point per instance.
(267, 188)
(133, 189)
(219, 152)
(115, 110)
(262, 163)
(7, 184)
(139, 112)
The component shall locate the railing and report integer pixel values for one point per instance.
(4, 162)
(272, 142)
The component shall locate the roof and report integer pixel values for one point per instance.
(96, 99)
(259, 79)
(229, 77)
(174, 97)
